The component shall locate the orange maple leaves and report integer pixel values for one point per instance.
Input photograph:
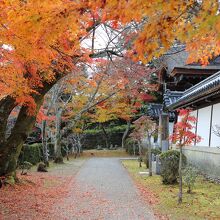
(42, 38)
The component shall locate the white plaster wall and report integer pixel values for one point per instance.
(215, 140)
(206, 159)
(194, 114)
(203, 125)
(171, 125)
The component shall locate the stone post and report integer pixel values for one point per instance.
(164, 131)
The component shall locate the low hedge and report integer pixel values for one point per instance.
(156, 151)
(31, 153)
(131, 147)
(170, 166)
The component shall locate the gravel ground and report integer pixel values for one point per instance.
(103, 190)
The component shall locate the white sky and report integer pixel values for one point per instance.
(103, 35)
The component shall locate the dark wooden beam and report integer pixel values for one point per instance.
(180, 71)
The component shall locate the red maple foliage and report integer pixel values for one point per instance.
(183, 135)
(183, 130)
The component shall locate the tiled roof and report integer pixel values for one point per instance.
(210, 85)
(154, 111)
(171, 97)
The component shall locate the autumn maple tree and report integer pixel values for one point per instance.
(145, 127)
(114, 92)
(183, 135)
(41, 42)
(133, 88)
(98, 94)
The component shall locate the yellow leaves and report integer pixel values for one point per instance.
(77, 130)
(33, 29)
(114, 108)
(103, 115)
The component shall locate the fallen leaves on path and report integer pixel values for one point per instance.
(34, 197)
(84, 201)
(46, 196)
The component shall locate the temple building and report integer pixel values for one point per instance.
(204, 100)
(196, 87)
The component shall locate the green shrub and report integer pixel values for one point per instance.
(156, 151)
(131, 147)
(31, 153)
(109, 129)
(189, 177)
(170, 166)
(133, 150)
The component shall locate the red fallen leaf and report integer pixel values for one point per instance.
(32, 199)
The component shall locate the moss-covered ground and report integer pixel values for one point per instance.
(203, 203)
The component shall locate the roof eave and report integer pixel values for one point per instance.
(189, 101)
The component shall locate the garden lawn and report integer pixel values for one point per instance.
(203, 203)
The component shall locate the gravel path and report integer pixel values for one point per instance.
(103, 190)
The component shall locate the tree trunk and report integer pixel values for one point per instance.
(180, 196)
(125, 134)
(10, 149)
(105, 136)
(164, 131)
(79, 147)
(140, 153)
(134, 147)
(12, 146)
(57, 146)
(44, 143)
(7, 104)
(67, 153)
(189, 189)
(149, 156)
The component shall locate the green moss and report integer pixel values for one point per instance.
(203, 203)
(11, 179)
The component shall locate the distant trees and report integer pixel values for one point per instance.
(98, 94)
(145, 127)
